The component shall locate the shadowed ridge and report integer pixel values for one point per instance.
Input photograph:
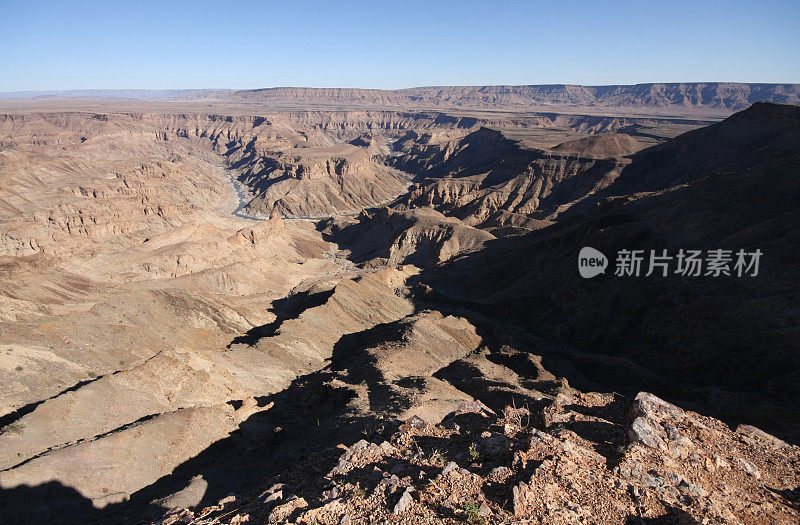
(729, 340)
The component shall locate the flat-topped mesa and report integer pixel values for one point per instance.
(711, 97)
(717, 98)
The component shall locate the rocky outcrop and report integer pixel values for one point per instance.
(592, 466)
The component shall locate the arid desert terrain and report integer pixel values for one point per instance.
(362, 306)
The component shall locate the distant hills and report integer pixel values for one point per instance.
(125, 94)
(717, 95)
(719, 98)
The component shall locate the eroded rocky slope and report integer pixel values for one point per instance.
(490, 181)
(584, 458)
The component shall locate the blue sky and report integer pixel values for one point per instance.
(244, 44)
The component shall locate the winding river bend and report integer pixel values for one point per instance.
(243, 197)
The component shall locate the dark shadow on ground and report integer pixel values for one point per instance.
(284, 309)
(51, 503)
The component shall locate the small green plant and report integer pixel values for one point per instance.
(93, 375)
(474, 455)
(622, 450)
(121, 362)
(16, 429)
(18, 369)
(473, 514)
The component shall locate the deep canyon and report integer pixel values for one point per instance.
(203, 294)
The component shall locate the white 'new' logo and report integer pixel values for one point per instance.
(591, 262)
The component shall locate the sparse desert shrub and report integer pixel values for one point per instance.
(93, 375)
(16, 429)
(473, 513)
(18, 369)
(518, 417)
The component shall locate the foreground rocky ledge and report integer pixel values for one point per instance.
(584, 458)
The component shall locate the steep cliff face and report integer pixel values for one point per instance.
(730, 96)
(422, 237)
(485, 176)
(314, 163)
(81, 181)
